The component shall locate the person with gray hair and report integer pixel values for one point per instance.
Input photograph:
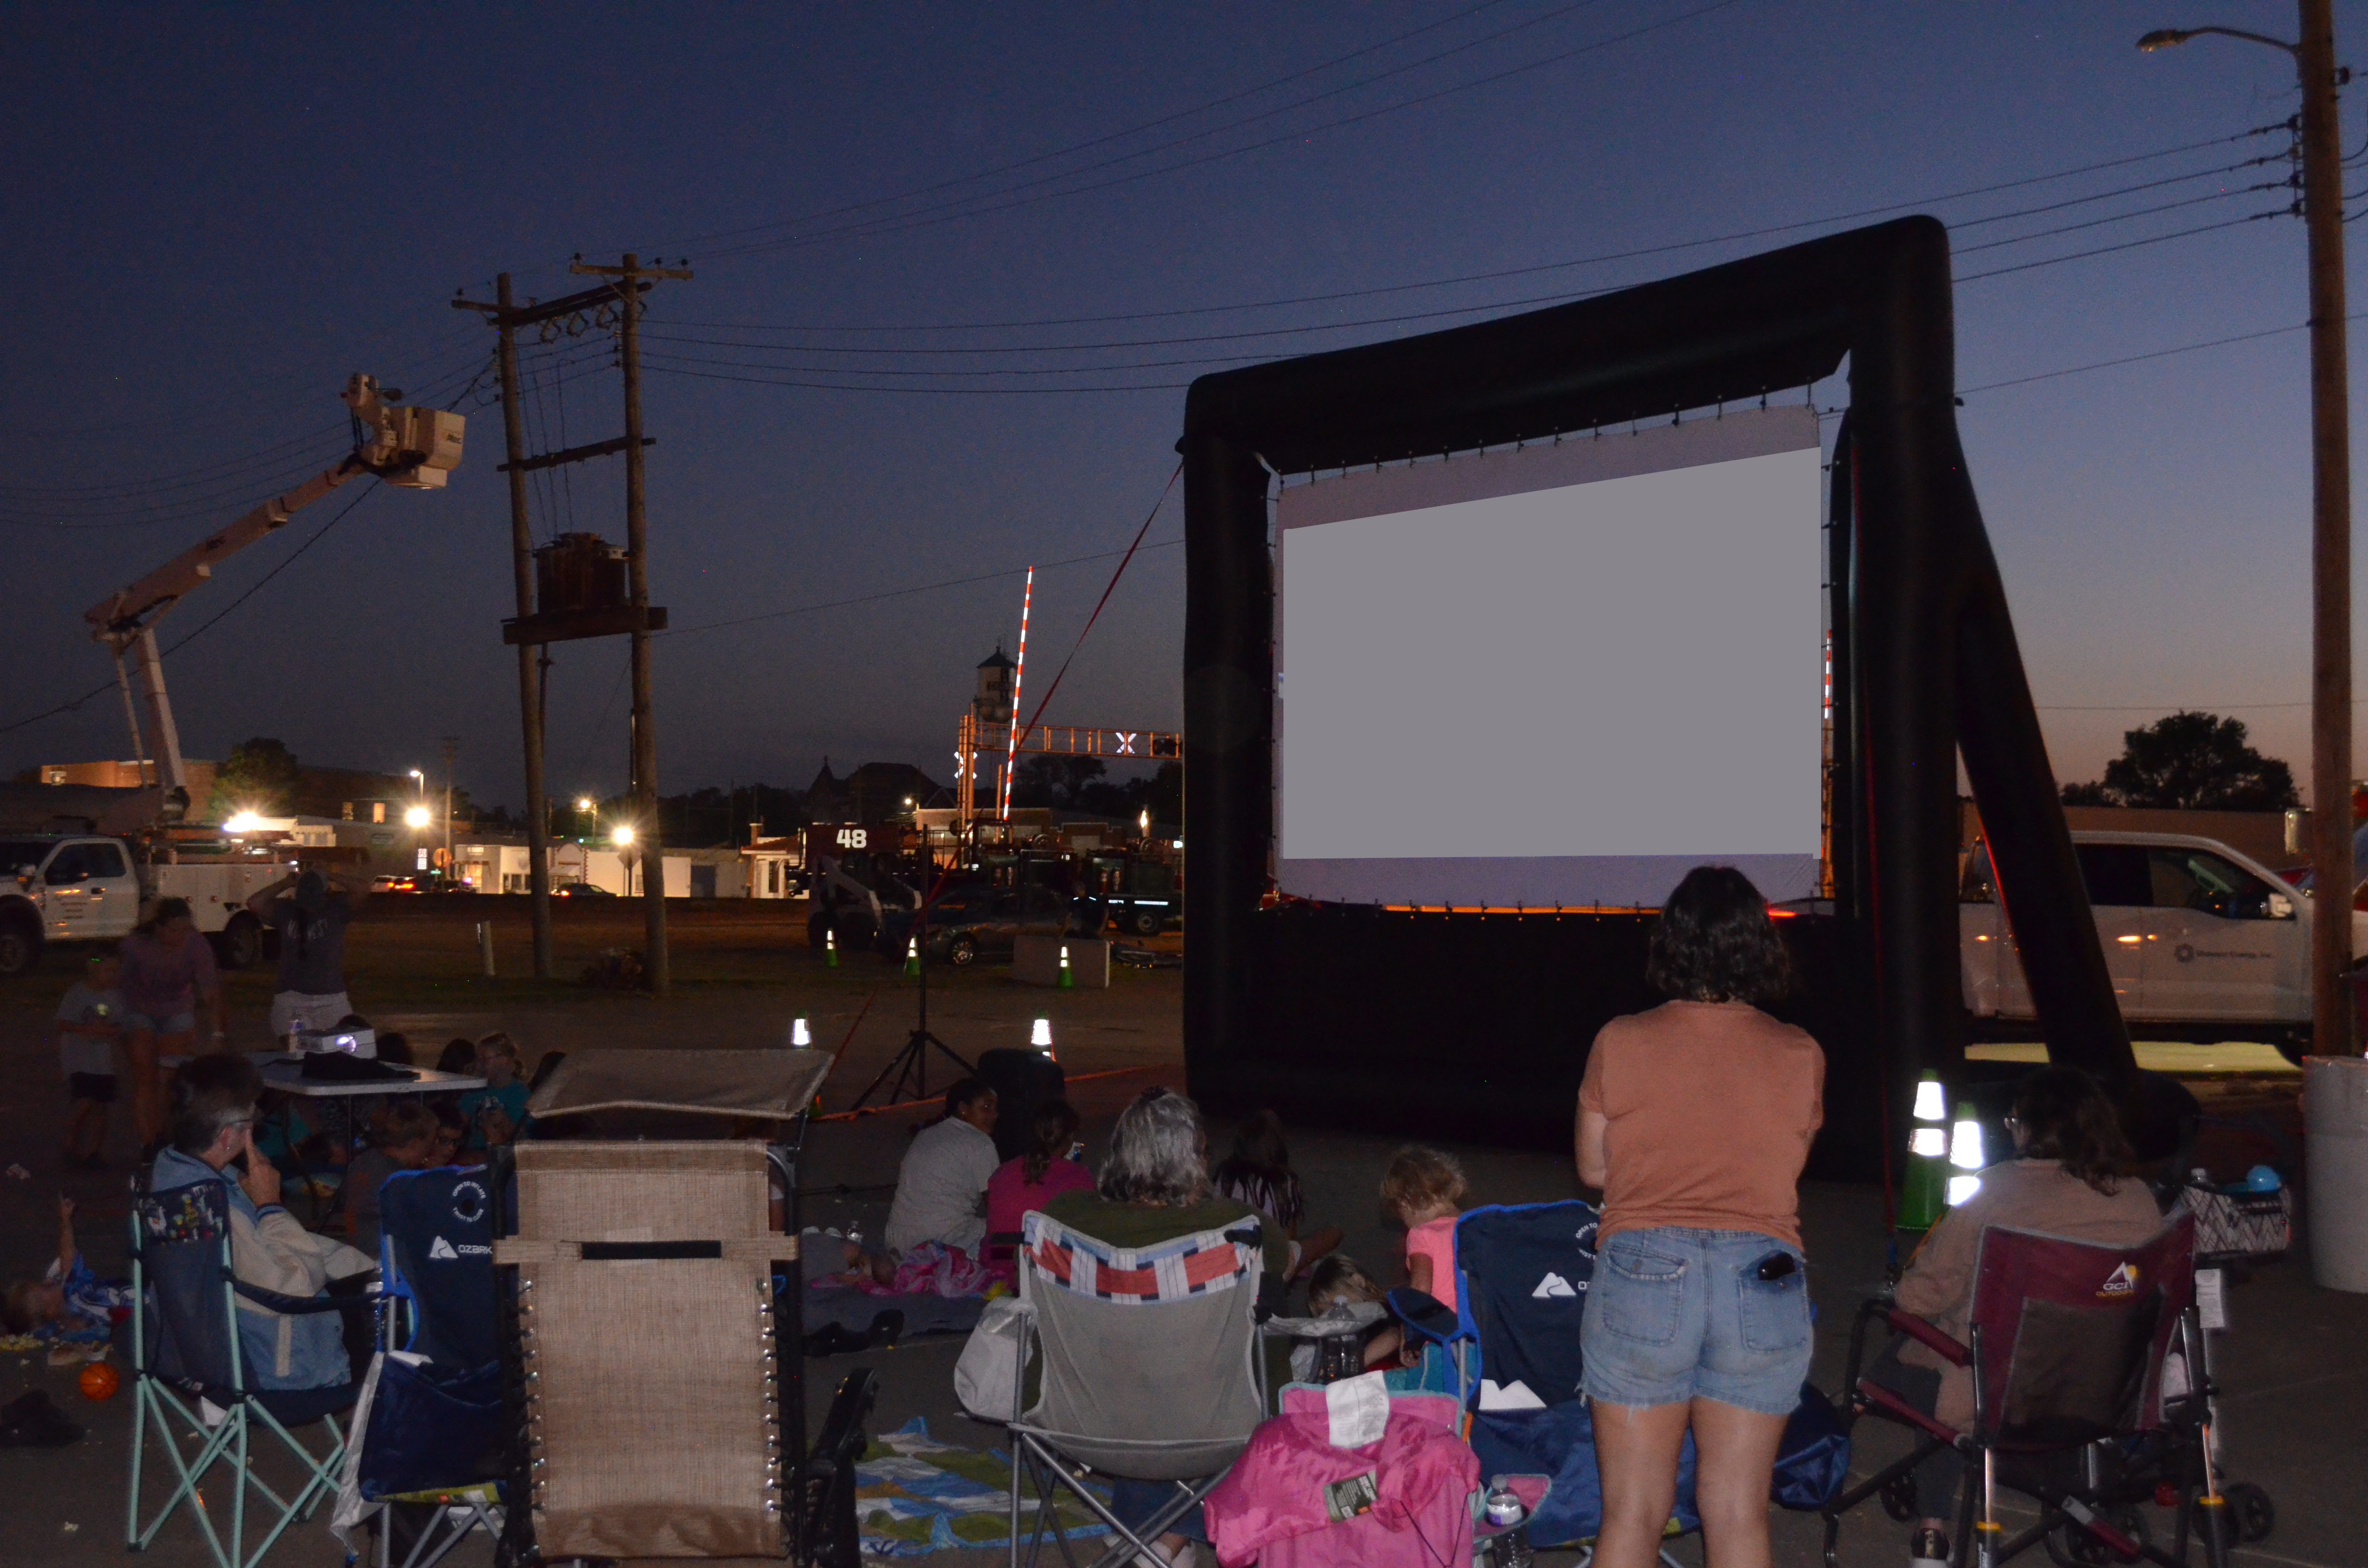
(1154, 1188)
(214, 1112)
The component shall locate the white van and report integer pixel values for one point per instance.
(2201, 942)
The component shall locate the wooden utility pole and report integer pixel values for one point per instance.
(2321, 146)
(2330, 539)
(647, 839)
(531, 712)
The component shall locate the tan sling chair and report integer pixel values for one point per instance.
(659, 1421)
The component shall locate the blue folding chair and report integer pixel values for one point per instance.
(186, 1372)
(435, 1409)
(1522, 1272)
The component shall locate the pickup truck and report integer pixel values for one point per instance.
(86, 888)
(2202, 943)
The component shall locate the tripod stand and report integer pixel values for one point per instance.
(910, 1066)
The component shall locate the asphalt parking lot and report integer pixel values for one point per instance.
(2296, 1419)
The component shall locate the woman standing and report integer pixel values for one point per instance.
(168, 973)
(1695, 1119)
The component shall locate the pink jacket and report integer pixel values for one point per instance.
(1276, 1505)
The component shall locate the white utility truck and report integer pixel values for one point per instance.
(62, 886)
(69, 888)
(2203, 942)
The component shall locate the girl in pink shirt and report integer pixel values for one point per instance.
(1049, 1169)
(1424, 1189)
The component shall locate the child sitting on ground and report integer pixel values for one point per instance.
(493, 1113)
(1258, 1173)
(403, 1136)
(69, 1303)
(1423, 1190)
(1049, 1169)
(90, 1022)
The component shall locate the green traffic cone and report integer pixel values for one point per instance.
(912, 955)
(830, 949)
(1067, 981)
(1924, 1186)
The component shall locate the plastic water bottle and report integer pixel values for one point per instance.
(1505, 1512)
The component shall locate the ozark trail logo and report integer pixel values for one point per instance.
(439, 1248)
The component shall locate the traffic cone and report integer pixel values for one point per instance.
(1040, 1037)
(1964, 1155)
(799, 1037)
(1067, 981)
(912, 955)
(1923, 1194)
(830, 949)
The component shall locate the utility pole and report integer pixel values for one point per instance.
(2330, 515)
(2330, 538)
(530, 708)
(452, 761)
(580, 609)
(628, 279)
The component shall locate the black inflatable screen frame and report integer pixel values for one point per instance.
(1477, 1023)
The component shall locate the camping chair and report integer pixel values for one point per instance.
(2071, 1344)
(1523, 1271)
(646, 1339)
(431, 1410)
(187, 1370)
(1149, 1370)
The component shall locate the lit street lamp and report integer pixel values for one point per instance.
(621, 835)
(2331, 487)
(416, 817)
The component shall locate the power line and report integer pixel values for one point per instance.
(1131, 130)
(927, 218)
(1602, 258)
(323, 533)
(2127, 245)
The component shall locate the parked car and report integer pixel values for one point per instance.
(2201, 941)
(971, 921)
(580, 890)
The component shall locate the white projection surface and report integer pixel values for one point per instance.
(1561, 676)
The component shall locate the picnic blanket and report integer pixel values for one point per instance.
(916, 1495)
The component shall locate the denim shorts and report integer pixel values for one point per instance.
(1676, 1313)
(160, 1023)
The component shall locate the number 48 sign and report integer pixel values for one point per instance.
(852, 838)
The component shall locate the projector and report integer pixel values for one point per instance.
(341, 1042)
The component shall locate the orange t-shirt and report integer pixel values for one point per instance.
(1708, 1108)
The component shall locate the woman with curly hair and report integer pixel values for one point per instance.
(1695, 1119)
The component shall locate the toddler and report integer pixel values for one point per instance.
(90, 1022)
(1335, 1284)
(493, 1113)
(404, 1136)
(69, 1303)
(1423, 1190)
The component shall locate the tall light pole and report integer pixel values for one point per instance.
(2331, 498)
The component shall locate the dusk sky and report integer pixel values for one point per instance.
(960, 229)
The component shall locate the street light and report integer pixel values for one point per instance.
(584, 803)
(621, 835)
(417, 816)
(2330, 505)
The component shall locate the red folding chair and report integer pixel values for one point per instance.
(2090, 1397)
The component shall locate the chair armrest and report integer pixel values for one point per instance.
(297, 1305)
(1425, 1314)
(1924, 1334)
